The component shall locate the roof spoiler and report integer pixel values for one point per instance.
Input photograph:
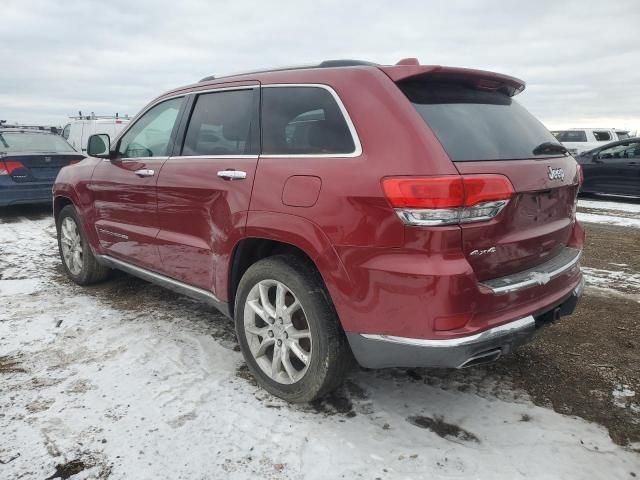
(407, 70)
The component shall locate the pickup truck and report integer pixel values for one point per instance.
(578, 140)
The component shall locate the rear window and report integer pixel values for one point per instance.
(570, 135)
(476, 125)
(303, 121)
(27, 142)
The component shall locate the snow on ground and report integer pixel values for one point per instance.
(622, 281)
(608, 219)
(149, 385)
(621, 206)
(623, 214)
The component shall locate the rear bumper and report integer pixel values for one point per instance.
(12, 193)
(379, 351)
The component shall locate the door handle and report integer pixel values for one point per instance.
(232, 174)
(145, 172)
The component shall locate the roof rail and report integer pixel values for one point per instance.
(93, 116)
(323, 64)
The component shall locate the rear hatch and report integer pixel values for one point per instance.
(34, 156)
(485, 131)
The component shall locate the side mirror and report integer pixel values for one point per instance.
(99, 145)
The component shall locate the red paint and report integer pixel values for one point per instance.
(301, 191)
(383, 277)
(201, 218)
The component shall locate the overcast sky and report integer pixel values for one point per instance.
(580, 59)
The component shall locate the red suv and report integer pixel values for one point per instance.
(404, 215)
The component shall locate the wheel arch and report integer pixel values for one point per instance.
(59, 202)
(269, 234)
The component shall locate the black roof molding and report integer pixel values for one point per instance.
(323, 64)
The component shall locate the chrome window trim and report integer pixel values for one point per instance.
(135, 159)
(179, 157)
(184, 94)
(504, 329)
(350, 125)
(352, 129)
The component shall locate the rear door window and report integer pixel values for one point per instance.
(303, 121)
(221, 124)
(570, 135)
(602, 136)
(477, 125)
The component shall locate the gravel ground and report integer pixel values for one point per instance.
(127, 380)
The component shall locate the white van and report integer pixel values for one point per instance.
(78, 131)
(578, 140)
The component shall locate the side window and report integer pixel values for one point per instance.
(303, 121)
(150, 135)
(628, 150)
(602, 136)
(220, 124)
(66, 131)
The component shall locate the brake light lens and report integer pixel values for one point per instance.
(448, 200)
(7, 167)
(437, 192)
(580, 173)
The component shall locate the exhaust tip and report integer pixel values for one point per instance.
(482, 358)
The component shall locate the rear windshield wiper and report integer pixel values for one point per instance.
(549, 148)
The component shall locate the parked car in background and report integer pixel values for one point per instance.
(30, 159)
(78, 131)
(612, 169)
(439, 231)
(578, 140)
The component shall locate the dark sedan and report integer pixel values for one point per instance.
(30, 160)
(613, 169)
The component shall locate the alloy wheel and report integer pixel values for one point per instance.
(71, 243)
(277, 332)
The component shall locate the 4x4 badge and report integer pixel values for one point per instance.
(556, 173)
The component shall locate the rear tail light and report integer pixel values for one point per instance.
(7, 167)
(447, 200)
(72, 162)
(580, 173)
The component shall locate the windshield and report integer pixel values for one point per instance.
(570, 135)
(477, 125)
(20, 142)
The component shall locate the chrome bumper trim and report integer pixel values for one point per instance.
(539, 275)
(495, 332)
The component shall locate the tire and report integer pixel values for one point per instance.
(88, 270)
(329, 357)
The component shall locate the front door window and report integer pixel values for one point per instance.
(150, 135)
